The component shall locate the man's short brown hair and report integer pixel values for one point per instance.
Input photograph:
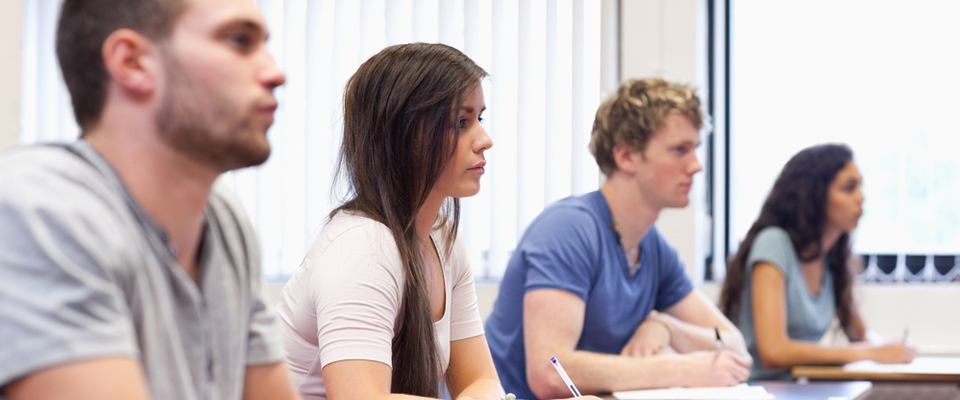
(83, 27)
(632, 115)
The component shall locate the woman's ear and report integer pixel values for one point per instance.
(131, 60)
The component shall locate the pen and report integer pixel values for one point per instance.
(563, 375)
(719, 342)
(905, 332)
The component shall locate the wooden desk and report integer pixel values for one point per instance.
(923, 369)
(786, 390)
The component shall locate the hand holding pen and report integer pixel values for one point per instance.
(568, 382)
(565, 377)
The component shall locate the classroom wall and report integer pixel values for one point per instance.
(11, 28)
(665, 38)
(659, 38)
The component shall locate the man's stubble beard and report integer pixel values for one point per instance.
(201, 123)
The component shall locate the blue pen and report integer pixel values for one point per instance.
(563, 375)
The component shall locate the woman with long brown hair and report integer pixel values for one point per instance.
(790, 276)
(383, 304)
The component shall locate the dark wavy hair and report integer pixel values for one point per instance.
(398, 135)
(797, 203)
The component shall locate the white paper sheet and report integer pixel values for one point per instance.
(741, 391)
(920, 365)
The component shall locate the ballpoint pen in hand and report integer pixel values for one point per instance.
(563, 375)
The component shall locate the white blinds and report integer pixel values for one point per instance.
(544, 61)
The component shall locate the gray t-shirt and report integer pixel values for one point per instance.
(85, 274)
(808, 316)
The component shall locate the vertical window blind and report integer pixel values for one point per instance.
(544, 61)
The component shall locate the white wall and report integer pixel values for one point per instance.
(661, 38)
(11, 28)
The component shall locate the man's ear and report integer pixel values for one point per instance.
(626, 157)
(131, 60)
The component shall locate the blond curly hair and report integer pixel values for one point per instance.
(635, 113)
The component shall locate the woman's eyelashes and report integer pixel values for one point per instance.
(464, 121)
(852, 185)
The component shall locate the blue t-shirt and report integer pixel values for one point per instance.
(808, 316)
(572, 246)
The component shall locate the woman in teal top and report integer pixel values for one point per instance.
(790, 277)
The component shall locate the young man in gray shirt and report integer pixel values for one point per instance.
(126, 270)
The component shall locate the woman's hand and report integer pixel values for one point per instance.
(510, 396)
(895, 352)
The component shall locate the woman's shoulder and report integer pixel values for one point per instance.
(773, 235)
(773, 245)
(355, 236)
(348, 225)
(450, 242)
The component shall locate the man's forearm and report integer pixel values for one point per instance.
(686, 337)
(600, 372)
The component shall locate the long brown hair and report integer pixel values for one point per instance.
(797, 203)
(398, 135)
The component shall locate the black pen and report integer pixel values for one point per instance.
(719, 342)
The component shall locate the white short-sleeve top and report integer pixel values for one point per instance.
(343, 300)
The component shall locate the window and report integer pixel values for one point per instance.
(875, 76)
(544, 86)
